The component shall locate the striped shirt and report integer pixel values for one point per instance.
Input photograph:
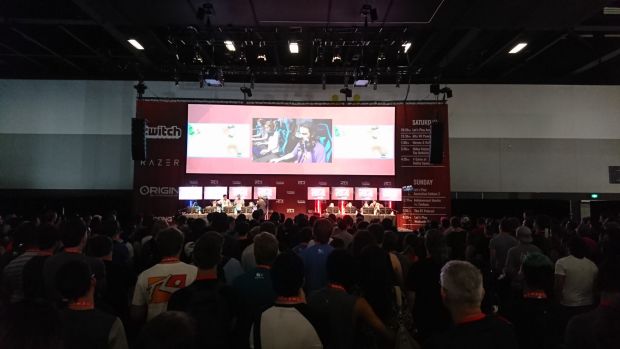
(13, 275)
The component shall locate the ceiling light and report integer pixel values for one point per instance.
(293, 47)
(230, 45)
(135, 44)
(406, 46)
(336, 58)
(361, 83)
(518, 47)
(261, 57)
(611, 10)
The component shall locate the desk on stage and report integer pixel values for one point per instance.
(367, 217)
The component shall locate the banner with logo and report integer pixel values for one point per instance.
(427, 195)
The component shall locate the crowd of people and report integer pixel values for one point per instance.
(308, 282)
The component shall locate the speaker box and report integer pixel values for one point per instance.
(138, 139)
(436, 151)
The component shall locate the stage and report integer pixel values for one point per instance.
(367, 218)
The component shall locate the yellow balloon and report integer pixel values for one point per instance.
(356, 98)
(335, 98)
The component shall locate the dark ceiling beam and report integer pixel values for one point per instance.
(598, 61)
(81, 42)
(597, 28)
(535, 54)
(39, 21)
(467, 39)
(56, 54)
(22, 55)
(90, 8)
(502, 50)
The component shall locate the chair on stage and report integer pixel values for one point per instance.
(368, 210)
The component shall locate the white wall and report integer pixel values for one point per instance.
(504, 138)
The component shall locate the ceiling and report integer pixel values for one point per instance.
(452, 41)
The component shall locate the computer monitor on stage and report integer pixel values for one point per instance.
(391, 194)
(215, 193)
(190, 193)
(342, 193)
(269, 192)
(318, 193)
(365, 193)
(245, 192)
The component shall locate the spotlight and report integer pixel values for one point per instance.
(346, 92)
(230, 46)
(518, 47)
(136, 44)
(446, 91)
(336, 58)
(140, 88)
(406, 46)
(293, 47)
(261, 57)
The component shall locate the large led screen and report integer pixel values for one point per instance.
(241, 139)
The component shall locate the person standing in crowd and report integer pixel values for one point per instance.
(542, 224)
(599, 328)
(575, 276)
(503, 242)
(462, 293)
(315, 257)
(517, 254)
(156, 284)
(212, 304)
(338, 310)
(168, 330)
(74, 235)
(289, 323)
(83, 325)
(532, 312)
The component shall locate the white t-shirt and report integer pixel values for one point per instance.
(580, 275)
(285, 328)
(156, 284)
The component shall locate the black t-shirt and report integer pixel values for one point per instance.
(87, 328)
(334, 312)
(457, 241)
(532, 320)
(214, 307)
(429, 313)
(119, 282)
(597, 329)
(490, 332)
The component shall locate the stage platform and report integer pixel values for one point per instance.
(367, 218)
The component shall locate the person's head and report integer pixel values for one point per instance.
(99, 246)
(168, 330)
(238, 196)
(242, 228)
(75, 280)
(508, 225)
(577, 247)
(390, 241)
(74, 233)
(378, 231)
(340, 267)
(169, 242)
(305, 132)
(524, 234)
(435, 243)
(47, 237)
(110, 228)
(287, 274)
(258, 215)
(455, 222)
(224, 197)
(362, 239)
(49, 216)
(301, 220)
(342, 225)
(322, 230)
(461, 285)
(537, 270)
(305, 234)
(265, 248)
(268, 227)
(208, 250)
(180, 220)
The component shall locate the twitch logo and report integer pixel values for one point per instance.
(163, 132)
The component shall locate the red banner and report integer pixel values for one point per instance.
(157, 179)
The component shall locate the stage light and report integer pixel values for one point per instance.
(518, 47)
(293, 47)
(361, 83)
(261, 57)
(135, 44)
(406, 46)
(611, 10)
(140, 88)
(230, 46)
(336, 58)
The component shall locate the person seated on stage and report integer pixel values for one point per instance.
(272, 144)
(239, 203)
(224, 202)
(332, 209)
(308, 149)
(214, 203)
